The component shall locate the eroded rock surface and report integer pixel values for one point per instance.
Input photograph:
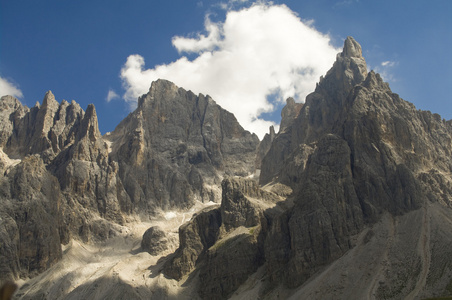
(353, 200)
(171, 152)
(225, 243)
(177, 146)
(355, 151)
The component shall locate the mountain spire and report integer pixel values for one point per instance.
(352, 48)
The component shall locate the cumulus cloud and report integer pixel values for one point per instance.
(386, 70)
(9, 88)
(388, 63)
(201, 43)
(257, 57)
(111, 95)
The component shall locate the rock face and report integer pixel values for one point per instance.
(368, 172)
(354, 199)
(355, 152)
(195, 238)
(289, 113)
(54, 170)
(224, 243)
(154, 241)
(29, 218)
(172, 151)
(181, 144)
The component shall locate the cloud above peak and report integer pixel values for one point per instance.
(111, 95)
(9, 88)
(257, 57)
(386, 69)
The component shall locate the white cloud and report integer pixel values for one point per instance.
(201, 42)
(256, 52)
(111, 95)
(388, 63)
(8, 88)
(386, 70)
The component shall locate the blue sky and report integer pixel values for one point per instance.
(86, 50)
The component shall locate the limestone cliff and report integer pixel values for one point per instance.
(355, 152)
(371, 180)
(171, 152)
(354, 199)
(176, 146)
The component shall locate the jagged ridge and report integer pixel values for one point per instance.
(171, 152)
(353, 165)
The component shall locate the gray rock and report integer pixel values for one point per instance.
(236, 208)
(289, 113)
(355, 151)
(195, 237)
(229, 263)
(29, 219)
(176, 145)
(365, 177)
(264, 146)
(173, 150)
(225, 244)
(154, 241)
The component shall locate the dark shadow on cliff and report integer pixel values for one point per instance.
(158, 267)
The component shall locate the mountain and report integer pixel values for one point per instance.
(369, 216)
(184, 144)
(351, 199)
(364, 164)
(60, 179)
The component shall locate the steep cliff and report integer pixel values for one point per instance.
(169, 153)
(355, 153)
(176, 147)
(354, 199)
(371, 180)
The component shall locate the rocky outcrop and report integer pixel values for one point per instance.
(289, 113)
(44, 129)
(69, 142)
(30, 216)
(176, 146)
(230, 262)
(155, 241)
(354, 196)
(355, 151)
(264, 146)
(87, 178)
(172, 151)
(225, 243)
(195, 237)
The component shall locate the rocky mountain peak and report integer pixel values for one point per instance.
(161, 88)
(163, 85)
(183, 143)
(374, 80)
(352, 48)
(49, 100)
(354, 200)
(289, 113)
(349, 70)
(89, 124)
(46, 114)
(9, 103)
(387, 154)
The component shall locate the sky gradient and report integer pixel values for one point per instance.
(248, 56)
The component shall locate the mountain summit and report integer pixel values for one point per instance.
(353, 198)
